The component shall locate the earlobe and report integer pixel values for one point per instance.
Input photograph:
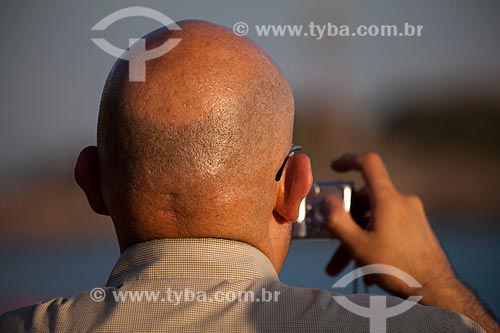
(297, 183)
(87, 177)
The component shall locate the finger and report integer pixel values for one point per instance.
(361, 199)
(372, 169)
(361, 207)
(339, 261)
(363, 193)
(341, 223)
(369, 280)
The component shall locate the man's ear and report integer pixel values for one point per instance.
(87, 177)
(296, 183)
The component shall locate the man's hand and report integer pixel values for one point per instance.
(398, 234)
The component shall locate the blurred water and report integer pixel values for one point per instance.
(30, 275)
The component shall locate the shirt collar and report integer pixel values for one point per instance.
(211, 258)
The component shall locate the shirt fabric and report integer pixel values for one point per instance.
(206, 271)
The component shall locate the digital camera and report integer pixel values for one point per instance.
(311, 223)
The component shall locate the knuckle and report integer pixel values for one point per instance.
(398, 200)
(372, 158)
(414, 200)
(388, 193)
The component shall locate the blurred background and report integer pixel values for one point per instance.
(429, 105)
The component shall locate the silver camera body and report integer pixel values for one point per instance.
(311, 223)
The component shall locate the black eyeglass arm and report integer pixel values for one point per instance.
(280, 171)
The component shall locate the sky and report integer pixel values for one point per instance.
(53, 74)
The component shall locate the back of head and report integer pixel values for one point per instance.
(193, 150)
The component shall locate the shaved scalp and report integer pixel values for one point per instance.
(194, 149)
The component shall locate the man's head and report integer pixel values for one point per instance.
(193, 151)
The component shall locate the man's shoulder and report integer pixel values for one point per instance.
(36, 317)
(15, 320)
(311, 309)
(22, 319)
(403, 315)
(354, 312)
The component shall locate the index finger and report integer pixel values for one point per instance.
(372, 169)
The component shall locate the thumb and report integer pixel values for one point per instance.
(341, 223)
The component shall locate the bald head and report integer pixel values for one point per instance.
(194, 149)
